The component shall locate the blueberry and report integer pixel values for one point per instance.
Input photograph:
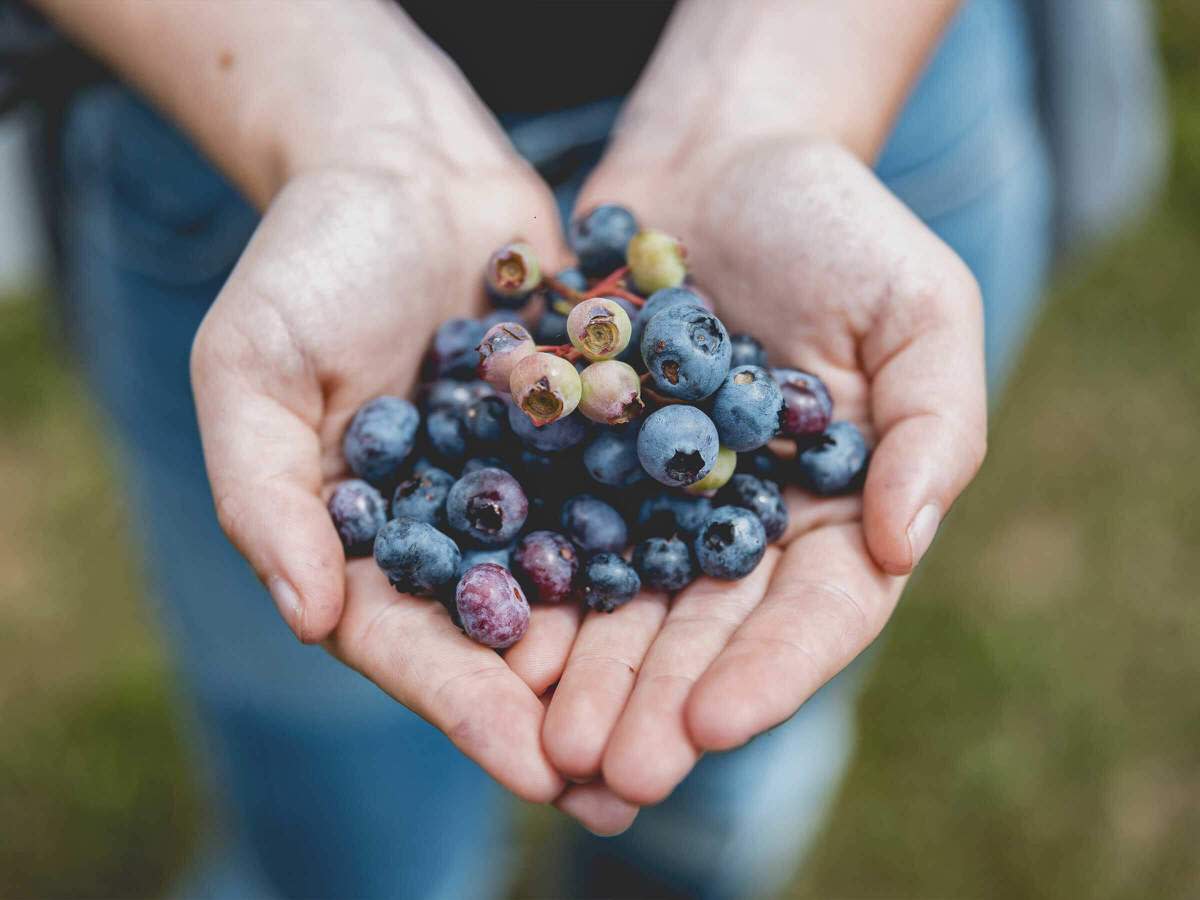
(747, 351)
(594, 525)
(491, 606)
(677, 445)
(545, 562)
(475, 463)
(747, 408)
(606, 581)
(423, 496)
(456, 396)
(656, 303)
(611, 457)
(452, 352)
(808, 408)
(512, 274)
(834, 462)
(763, 463)
(761, 497)
(664, 564)
(558, 435)
(501, 556)
(667, 515)
(487, 423)
(416, 557)
(599, 237)
(686, 350)
(380, 437)
(730, 543)
(488, 506)
(551, 327)
(448, 435)
(358, 512)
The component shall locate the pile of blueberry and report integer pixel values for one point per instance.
(615, 409)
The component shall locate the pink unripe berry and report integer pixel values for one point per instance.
(611, 392)
(503, 346)
(599, 328)
(546, 387)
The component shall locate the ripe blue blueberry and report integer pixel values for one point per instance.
(446, 393)
(678, 445)
(558, 435)
(611, 457)
(606, 581)
(686, 350)
(834, 462)
(761, 497)
(475, 463)
(452, 352)
(747, 408)
(599, 237)
(448, 436)
(416, 557)
(487, 423)
(487, 506)
(380, 437)
(358, 512)
(747, 351)
(594, 525)
(763, 463)
(664, 564)
(667, 515)
(423, 497)
(656, 303)
(731, 542)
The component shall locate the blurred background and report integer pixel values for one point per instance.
(1031, 729)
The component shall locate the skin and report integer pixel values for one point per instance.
(379, 173)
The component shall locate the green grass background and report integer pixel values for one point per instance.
(1031, 729)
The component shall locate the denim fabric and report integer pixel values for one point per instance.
(323, 786)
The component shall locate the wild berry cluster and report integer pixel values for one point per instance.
(616, 409)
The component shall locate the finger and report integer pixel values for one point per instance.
(264, 464)
(929, 405)
(827, 601)
(650, 750)
(597, 808)
(538, 658)
(410, 648)
(598, 678)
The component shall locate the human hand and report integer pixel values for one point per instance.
(800, 245)
(333, 303)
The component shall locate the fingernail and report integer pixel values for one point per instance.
(287, 601)
(920, 533)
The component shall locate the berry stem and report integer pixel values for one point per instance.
(626, 295)
(561, 289)
(608, 282)
(566, 351)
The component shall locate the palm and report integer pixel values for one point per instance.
(802, 247)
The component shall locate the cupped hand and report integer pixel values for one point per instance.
(333, 303)
(801, 246)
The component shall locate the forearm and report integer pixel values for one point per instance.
(271, 89)
(727, 73)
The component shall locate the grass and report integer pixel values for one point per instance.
(1031, 728)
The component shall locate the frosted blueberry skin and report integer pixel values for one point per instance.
(492, 608)
(501, 556)
(686, 350)
(611, 457)
(656, 303)
(747, 351)
(380, 437)
(835, 462)
(416, 557)
(670, 515)
(475, 463)
(488, 506)
(551, 327)
(594, 525)
(730, 543)
(606, 581)
(545, 563)
(599, 238)
(456, 396)
(358, 512)
(423, 497)
(747, 408)
(558, 435)
(448, 436)
(452, 352)
(808, 407)
(664, 564)
(761, 497)
(677, 445)
(764, 464)
(487, 423)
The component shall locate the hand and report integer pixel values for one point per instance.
(333, 303)
(801, 246)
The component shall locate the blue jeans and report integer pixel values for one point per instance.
(320, 784)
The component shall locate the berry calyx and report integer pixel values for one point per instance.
(599, 328)
(611, 392)
(545, 387)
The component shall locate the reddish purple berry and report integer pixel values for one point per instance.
(807, 406)
(358, 512)
(491, 606)
(545, 562)
(488, 506)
